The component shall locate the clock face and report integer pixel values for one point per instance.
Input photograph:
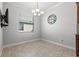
(52, 19)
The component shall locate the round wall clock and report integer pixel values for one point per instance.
(52, 19)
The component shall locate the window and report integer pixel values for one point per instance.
(26, 24)
(26, 27)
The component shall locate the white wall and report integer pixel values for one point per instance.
(11, 33)
(65, 26)
(0, 32)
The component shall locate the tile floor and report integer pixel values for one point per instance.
(37, 49)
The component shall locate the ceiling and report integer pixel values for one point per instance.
(41, 5)
(32, 5)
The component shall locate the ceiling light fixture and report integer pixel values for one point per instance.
(37, 11)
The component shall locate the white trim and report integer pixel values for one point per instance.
(59, 44)
(14, 44)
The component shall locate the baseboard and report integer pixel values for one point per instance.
(59, 44)
(14, 44)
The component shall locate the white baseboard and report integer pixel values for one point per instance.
(14, 44)
(59, 44)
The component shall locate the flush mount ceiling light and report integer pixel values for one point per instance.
(37, 11)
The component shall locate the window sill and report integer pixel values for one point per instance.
(26, 31)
